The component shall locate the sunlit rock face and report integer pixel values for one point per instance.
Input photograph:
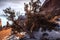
(4, 33)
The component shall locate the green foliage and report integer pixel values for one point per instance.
(10, 13)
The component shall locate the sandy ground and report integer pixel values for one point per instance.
(4, 33)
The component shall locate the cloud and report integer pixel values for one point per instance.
(5, 2)
(13, 0)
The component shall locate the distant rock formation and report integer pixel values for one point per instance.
(0, 25)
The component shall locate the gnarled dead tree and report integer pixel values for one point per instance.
(44, 18)
(39, 16)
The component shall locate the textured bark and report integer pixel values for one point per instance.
(51, 8)
(50, 11)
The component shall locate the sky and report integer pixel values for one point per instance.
(17, 5)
